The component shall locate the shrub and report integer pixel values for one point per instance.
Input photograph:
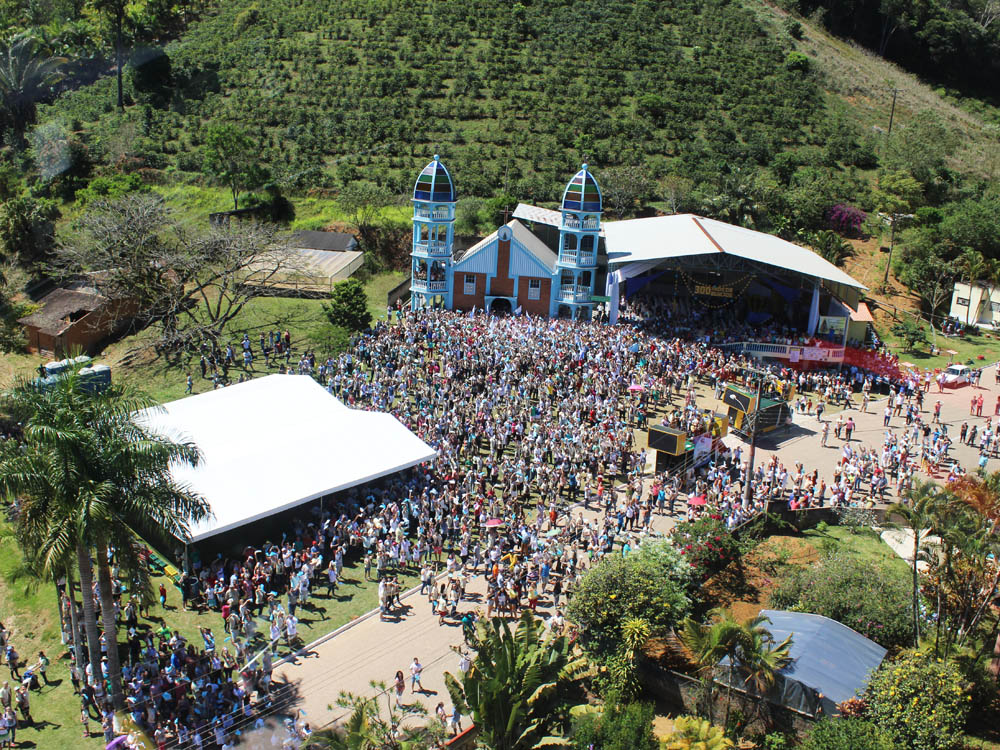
(920, 702)
(868, 597)
(706, 544)
(840, 734)
(846, 219)
(648, 584)
(627, 726)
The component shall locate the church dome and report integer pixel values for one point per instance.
(582, 193)
(434, 183)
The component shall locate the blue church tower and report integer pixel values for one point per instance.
(433, 237)
(578, 237)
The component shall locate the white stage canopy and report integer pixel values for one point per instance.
(276, 442)
(639, 245)
(662, 237)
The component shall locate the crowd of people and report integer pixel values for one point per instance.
(529, 416)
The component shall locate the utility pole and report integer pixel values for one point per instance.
(892, 112)
(747, 492)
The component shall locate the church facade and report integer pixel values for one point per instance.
(513, 270)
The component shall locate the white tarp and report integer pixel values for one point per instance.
(273, 443)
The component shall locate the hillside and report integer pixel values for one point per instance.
(720, 104)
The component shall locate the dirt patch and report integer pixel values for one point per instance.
(744, 587)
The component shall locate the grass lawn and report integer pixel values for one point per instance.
(164, 378)
(984, 344)
(32, 616)
(866, 545)
(354, 597)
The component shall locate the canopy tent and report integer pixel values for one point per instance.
(273, 443)
(830, 662)
(637, 246)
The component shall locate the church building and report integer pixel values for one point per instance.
(513, 270)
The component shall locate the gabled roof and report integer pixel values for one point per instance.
(544, 258)
(663, 237)
(57, 306)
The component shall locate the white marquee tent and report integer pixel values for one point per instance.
(276, 442)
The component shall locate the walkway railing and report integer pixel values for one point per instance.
(791, 352)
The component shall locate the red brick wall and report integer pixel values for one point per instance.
(502, 285)
(463, 301)
(538, 306)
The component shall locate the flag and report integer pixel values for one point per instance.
(472, 312)
(519, 310)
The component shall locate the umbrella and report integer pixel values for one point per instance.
(906, 364)
(697, 500)
(950, 351)
(636, 387)
(116, 742)
(493, 523)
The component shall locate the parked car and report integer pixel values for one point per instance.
(957, 375)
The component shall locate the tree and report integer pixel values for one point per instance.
(830, 246)
(624, 189)
(926, 271)
(616, 726)
(348, 307)
(27, 228)
(897, 194)
(191, 282)
(920, 702)
(232, 158)
(747, 645)
(27, 75)
(917, 512)
(92, 477)
(114, 12)
(364, 202)
(911, 331)
(519, 686)
(367, 729)
(649, 584)
(972, 265)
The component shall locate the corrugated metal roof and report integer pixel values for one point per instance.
(538, 215)
(663, 237)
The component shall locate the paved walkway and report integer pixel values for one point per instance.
(370, 649)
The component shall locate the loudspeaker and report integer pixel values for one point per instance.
(667, 439)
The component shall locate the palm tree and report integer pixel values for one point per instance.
(93, 477)
(27, 75)
(747, 645)
(518, 688)
(923, 501)
(366, 729)
(830, 246)
(708, 644)
(971, 262)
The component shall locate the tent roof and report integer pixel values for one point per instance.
(273, 443)
(679, 235)
(827, 656)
